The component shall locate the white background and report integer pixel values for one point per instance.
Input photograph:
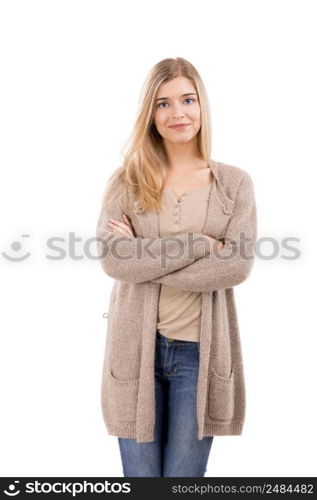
(71, 73)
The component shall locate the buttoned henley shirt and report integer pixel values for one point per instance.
(179, 311)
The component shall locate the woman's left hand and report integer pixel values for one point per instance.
(124, 228)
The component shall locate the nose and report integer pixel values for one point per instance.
(178, 114)
(177, 111)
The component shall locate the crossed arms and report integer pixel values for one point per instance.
(199, 266)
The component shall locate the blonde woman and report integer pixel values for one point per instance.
(177, 232)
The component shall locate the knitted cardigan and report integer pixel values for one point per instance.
(139, 266)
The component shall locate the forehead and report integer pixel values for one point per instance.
(176, 87)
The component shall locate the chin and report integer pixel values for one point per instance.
(179, 141)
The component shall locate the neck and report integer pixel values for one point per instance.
(183, 157)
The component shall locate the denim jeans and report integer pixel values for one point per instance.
(176, 451)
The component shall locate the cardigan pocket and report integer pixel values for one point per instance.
(122, 397)
(221, 396)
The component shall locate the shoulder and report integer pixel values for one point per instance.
(231, 173)
(116, 191)
(231, 177)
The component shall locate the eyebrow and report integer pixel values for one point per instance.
(183, 95)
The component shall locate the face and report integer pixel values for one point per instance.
(177, 102)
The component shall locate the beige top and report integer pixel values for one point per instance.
(179, 311)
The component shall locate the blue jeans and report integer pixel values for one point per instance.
(176, 451)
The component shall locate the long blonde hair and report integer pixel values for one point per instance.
(143, 169)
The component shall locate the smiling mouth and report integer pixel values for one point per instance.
(179, 127)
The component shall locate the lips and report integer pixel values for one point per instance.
(180, 126)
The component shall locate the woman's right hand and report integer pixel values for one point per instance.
(125, 228)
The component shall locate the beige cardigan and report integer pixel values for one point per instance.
(128, 385)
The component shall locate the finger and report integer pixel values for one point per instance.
(127, 219)
(119, 230)
(125, 230)
(117, 222)
(124, 225)
(130, 224)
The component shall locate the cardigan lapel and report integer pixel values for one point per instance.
(219, 211)
(220, 207)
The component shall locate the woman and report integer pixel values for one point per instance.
(177, 232)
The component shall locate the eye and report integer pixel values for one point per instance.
(164, 102)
